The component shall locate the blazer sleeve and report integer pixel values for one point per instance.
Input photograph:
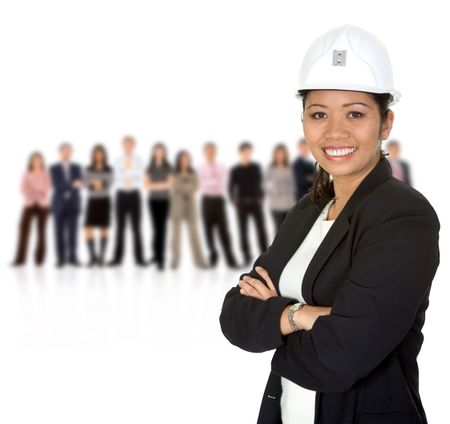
(58, 184)
(393, 266)
(253, 324)
(260, 181)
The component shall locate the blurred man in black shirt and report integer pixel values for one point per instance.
(246, 193)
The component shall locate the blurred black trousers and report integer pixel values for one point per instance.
(128, 203)
(251, 207)
(159, 210)
(214, 215)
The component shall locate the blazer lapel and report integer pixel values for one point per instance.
(339, 228)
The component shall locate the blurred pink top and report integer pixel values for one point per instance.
(36, 188)
(213, 178)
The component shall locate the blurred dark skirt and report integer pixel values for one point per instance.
(98, 212)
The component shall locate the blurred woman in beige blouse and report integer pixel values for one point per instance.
(183, 206)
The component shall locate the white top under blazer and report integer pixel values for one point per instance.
(298, 403)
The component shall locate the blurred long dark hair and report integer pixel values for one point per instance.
(322, 185)
(280, 147)
(178, 161)
(165, 163)
(105, 165)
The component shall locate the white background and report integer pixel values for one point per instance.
(130, 345)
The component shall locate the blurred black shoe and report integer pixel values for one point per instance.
(91, 263)
(213, 259)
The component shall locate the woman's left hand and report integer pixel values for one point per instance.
(254, 288)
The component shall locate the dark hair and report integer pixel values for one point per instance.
(322, 185)
(165, 163)
(245, 145)
(178, 161)
(32, 156)
(284, 149)
(95, 149)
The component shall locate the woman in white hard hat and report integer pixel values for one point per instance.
(341, 292)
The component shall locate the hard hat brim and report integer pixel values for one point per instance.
(395, 95)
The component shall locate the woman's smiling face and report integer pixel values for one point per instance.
(343, 130)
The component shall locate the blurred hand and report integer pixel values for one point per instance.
(254, 288)
(97, 184)
(77, 184)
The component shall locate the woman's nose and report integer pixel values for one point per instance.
(336, 129)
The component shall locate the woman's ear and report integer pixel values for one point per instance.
(386, 125)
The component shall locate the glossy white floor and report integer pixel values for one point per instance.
(122, 345)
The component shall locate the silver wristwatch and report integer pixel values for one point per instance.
(292, 309)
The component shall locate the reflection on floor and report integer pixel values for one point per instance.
(122, 345)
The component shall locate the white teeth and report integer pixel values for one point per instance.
(340, 152)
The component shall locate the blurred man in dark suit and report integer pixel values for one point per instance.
(400, 168)
(303, 169)
(66, 204)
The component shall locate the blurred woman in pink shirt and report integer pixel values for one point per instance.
(35, 188)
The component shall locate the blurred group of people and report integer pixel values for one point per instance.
(172, 197)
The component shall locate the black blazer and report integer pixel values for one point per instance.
(63, 192)
(374, 267)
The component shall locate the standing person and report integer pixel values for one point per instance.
(213, 185)
(245, 190)
(66, 205)
(400, 168)
(35, 188)
(279, 184)
(158, 181)
(303, 170)
(183, 206)
(347, 337)
(98, 178)
(128, 177)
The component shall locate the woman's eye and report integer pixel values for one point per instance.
(356, 115)
(318, 115)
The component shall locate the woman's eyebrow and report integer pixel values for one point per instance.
(356, 103)
(344, 105)
(316, 104)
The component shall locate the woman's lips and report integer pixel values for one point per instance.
(339, 153)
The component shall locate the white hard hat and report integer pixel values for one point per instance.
(348, 58)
